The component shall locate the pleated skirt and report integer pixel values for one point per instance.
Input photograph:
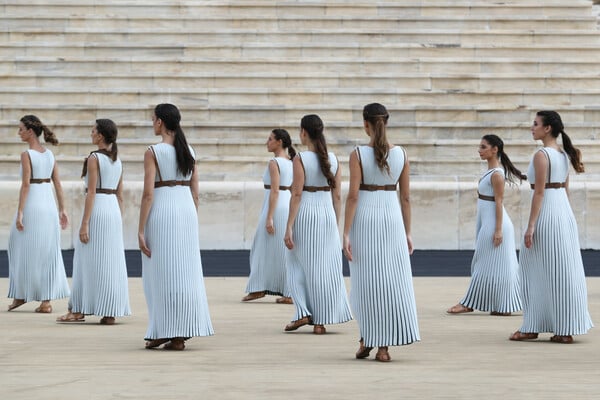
(554, 291)
(267, 255)
(35, 263)
(382, 294)
(172, 276)
(494, 282)
(99, 284)
(314, 266)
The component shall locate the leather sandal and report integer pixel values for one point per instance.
(363, 352)
(319, 330)
(177, 344)
(15, 304)
(562, 339)
(500, 314)
(107, 321)
(151, 344)
(292, 326)
(459, 309)
(383, 355)
(253, 296)
(520, 336)
(284, 300)
(44, 308)
(71, 317)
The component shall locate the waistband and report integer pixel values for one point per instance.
(484, 197)
(374, 188)
(552, 185)
(104, 191)
(171, 183)
(45, 180)
(280, 187)
(313, 189)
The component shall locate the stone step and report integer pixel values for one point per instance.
(260, 80)
(277, 50)
(292, 22)
(442, 37)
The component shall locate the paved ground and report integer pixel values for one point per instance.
(250, 357)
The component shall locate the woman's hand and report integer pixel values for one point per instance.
(64, 219)
(288, 239)
(84, 233)
(347, 248)
(19, 222)
(142, 244)
(529, 237)
(270, 227)
(497, 238)
(409, 242)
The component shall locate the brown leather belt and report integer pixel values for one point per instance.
(280, 187)
(484, 197)
(313, 189)
(374, 188)
(104, 191)
(172, 183)
(552, 185)
(45, 180)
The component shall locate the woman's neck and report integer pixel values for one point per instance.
(281, 153)
(493, 163)
(34, 144)
(550, 141)
(168, 137)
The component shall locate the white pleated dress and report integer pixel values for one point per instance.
(172, 276)
(494, 270)
(267, 255)
(35, 262)
(314, 265)
(99, 285)
(382, 295)
(553, 283)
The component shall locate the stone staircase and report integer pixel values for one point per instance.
(448, 71)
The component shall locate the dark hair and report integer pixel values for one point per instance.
(286, 140)
(552, 119)
(313, 126)
(377, 116)
(108, 129)
(510, 171)
(32, 122)
(170, 116)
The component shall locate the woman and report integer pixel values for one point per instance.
(315, 260)
(494, 269)
(553, 284)
(35, 262)
(267, 256)
(99, 270)
(377, 241)
(168, 238)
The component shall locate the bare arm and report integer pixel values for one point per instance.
(194, 186)
(297, 186)
(498, 185)
(147, 198)
(24, 191)
(404, 197)
(351, 203)
(336, 195)
(60, 197)
(90, 197)
(540, 163)
(273, 196)
(120, 194)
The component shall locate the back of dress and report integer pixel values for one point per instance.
(110, 172)
(372, 175)
(42, 164)
(166, 160)
(313, 176)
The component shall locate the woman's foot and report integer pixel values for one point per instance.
(292, 326)
(319, 330)
(71, 317)
(459, 309)
(107, 321)
(501, 314)
(175, 344)
(520, 336)
(16, 303)
(44, 308)
(383, 355)
(253, 296)
(562, 339)
(284, 300)
(363, 352)
(151, 344)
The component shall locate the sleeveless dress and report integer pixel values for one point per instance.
(553, 283)
(99, 285)
(267, 255)
(381, 293)
(315, 263)
(35, 262)
(494, 270)
(172, 276)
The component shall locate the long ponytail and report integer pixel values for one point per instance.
(313, 125)
(552, 118)
(286, 141)
(32, 122)
(170, 116)
(511, 173)
(377, 117)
